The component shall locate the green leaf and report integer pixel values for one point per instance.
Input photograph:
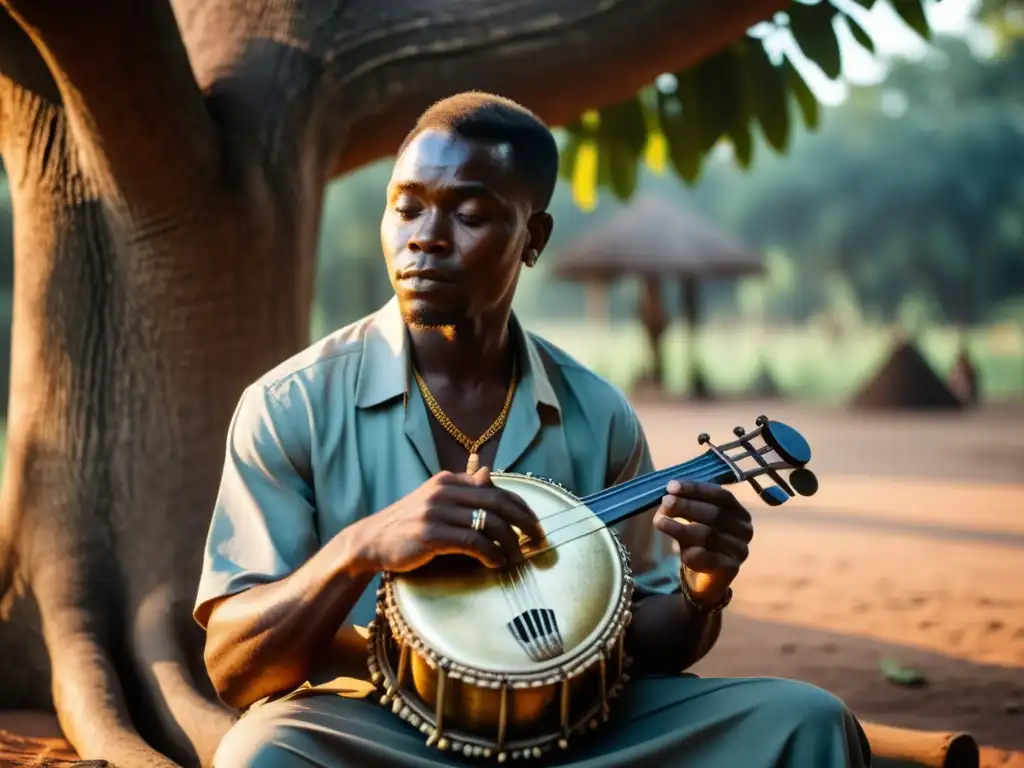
(912, 12)
(717, 86)
(625, 122)
(766, 94)
(804, 96)
(575, 128)
(622, 169)
(604, 168)
(680, 129)
(621, 136)
(859, 33)
(869, 4)
(567, 157)
(894, 672)
(742, 145)
(814, 32)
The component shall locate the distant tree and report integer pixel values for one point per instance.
(914, 185)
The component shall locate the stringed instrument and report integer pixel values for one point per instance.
(499, 663)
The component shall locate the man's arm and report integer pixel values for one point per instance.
(264, 640)
(270, 598)
(665, 635)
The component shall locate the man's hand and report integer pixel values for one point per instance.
(714, 532)
(437, 519)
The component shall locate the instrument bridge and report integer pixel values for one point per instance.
(536, 630)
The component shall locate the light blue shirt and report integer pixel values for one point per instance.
(327, 438)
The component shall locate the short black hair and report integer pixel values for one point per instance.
(485, 117)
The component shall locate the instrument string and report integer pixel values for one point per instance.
(553, 637)
(702, 470)
(519, 585)
(702, 478)
(519, 601)
(522, 589)
(538, 621)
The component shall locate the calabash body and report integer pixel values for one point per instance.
(511, 661)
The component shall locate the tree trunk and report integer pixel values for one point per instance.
(165, 234)
(131, 345)
(126, 367)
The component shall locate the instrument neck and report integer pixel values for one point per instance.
(621, 502)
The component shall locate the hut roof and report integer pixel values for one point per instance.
(906, 381)
(653, 236)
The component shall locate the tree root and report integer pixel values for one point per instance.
(87, 693)
(192, 724)
(90, 705)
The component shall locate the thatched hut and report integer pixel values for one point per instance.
(655, 240)
(906, 381)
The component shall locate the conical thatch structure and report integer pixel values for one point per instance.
(764, 386)
(963, 378)
(656, 240)
(654, 236)
(906, 381)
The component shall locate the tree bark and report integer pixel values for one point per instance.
(167, 188)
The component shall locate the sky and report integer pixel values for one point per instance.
(891, 37)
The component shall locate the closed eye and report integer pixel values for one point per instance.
(471, 220)
(406, 213)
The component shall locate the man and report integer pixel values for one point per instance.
(369, 452)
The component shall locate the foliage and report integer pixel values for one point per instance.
(911, 186)
(1004, 17)
(731, 96)
(902, 207)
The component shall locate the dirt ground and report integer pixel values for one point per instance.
(912, 550)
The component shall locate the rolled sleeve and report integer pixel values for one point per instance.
(263, 525)
(654, 557)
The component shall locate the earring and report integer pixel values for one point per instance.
(531, 257)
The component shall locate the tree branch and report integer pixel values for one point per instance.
(391, 58)
(130, 97)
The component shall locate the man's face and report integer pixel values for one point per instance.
(455, 229)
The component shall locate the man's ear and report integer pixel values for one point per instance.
(540, 227)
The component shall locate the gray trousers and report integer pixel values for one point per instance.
(661, 721)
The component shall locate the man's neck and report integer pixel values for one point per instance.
(465, 355)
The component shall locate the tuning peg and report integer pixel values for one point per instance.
(804, 481)
(703, 438)
(789, 444)
(739, 431)
(773, 496)
(761, 421)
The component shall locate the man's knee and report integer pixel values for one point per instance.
(253, 742)
(806, 704)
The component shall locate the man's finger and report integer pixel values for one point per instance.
(702, 536)
(710, 493)
(458, 540)
(707, 514)
(500, 502)
(495, 528)
(692, 535)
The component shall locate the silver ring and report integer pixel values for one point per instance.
(479, 519)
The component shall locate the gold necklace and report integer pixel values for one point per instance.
(473, 446)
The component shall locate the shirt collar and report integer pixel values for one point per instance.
(384, 369)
